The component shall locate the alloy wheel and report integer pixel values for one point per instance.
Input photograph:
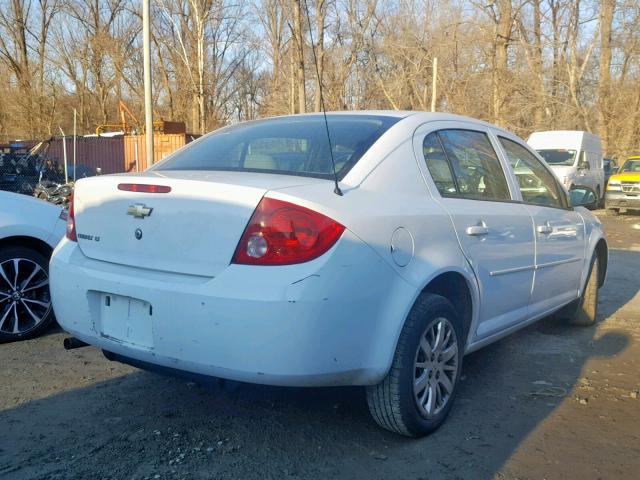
(435, 367)
(24, 295)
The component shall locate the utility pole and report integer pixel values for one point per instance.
(64, 155)
(434, 84)
(75, 134)
(148, 100)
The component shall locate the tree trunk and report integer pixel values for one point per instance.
(320, 16)
(299, 44)
(500, 69)
(607, 8)
(195, 114)
(292, 85)
(538, 65)
(555, 78)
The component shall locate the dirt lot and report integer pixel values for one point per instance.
(549, 402)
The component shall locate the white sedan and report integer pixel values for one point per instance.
(375, 250)
(29, 231)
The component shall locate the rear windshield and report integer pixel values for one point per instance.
(558, 157)
(286, 145)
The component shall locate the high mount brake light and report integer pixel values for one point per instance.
(71, 222)
(143, 188)
(282, 233)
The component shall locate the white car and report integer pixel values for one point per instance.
(241, 256)
(29, 231)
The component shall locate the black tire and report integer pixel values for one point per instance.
(37, 290)
(393, 403)
(586, 312)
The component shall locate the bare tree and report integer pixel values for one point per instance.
(297, 33)
(524, 64)
(273, 17)
(321, 13)
(14, 49)
(205, 39)
(607, 8)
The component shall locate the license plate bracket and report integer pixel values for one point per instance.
(126, 320)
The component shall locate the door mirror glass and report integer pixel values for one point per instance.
(583, 197)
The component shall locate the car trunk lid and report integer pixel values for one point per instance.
(192, 229)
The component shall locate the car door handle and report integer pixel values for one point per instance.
(545, 229)
(477, 230)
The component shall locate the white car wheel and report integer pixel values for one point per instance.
(587, 310)
(25, 302)
(417, 393)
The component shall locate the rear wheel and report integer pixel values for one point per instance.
(586, 311)
(25, 303)
(417, 393)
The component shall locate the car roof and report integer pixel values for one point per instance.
(416, 117)
(427, 116)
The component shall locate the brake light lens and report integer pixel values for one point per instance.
(143, 188)
(71, 222)
(282, 233)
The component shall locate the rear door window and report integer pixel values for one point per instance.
(438, 165)
(463, 163)
(537, 184)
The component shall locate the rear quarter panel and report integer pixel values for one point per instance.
(25, 216)
(393, 195)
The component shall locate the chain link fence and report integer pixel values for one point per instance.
(24, 165)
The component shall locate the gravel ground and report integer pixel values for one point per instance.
(551, 401)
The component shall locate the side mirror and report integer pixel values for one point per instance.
(614, 169)
(583, 197)
(98, 171)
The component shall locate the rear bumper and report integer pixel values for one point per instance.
(332, 321)
(622, 200)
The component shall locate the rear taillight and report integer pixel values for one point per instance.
(281, 233)
(71, 222)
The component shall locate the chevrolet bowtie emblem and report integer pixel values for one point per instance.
(139, 210)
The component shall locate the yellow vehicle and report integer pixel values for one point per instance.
(623, 189)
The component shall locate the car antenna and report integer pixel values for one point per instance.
(336, 190)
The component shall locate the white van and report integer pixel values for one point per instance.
(574, 156)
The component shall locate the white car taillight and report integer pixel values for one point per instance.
(71, 222)
(282, 233)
